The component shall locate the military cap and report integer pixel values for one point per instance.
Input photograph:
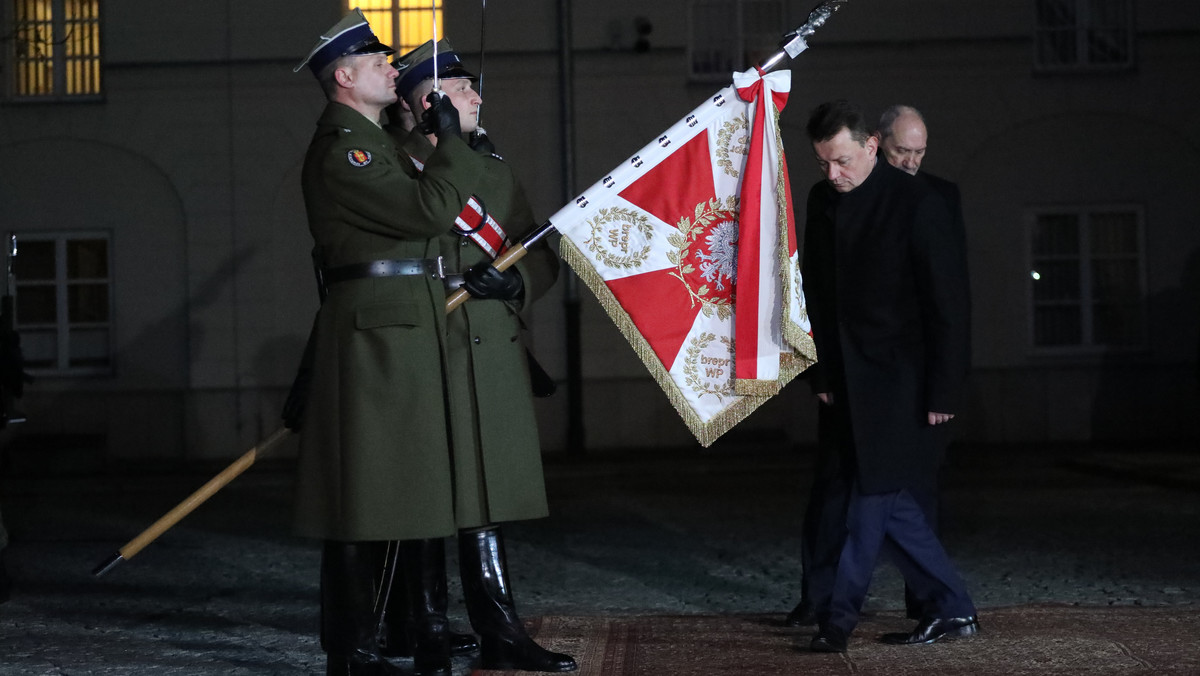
(350, 36)
(417, 66)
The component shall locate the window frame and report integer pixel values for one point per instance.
(742, 42)
(396, 10)
(62, 325)
(1081, 30)
(1087, 345)
(60, 60)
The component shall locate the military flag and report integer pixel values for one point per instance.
(690, 247)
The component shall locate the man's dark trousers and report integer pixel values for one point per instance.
(871, 518)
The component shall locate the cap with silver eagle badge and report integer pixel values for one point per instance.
(352, 36)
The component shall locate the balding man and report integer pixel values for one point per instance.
(903, 138)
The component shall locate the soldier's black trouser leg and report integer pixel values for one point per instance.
(349, 622)
(425, 583)
(396, 636)
(504, 644)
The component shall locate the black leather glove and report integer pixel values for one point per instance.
(481, 143)
(441, 118)
(485, 281)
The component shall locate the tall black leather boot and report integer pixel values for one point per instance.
(425, 583)
(348, 619)
(396, 629)
(504, 644)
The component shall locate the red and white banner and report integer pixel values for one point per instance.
(690, 246)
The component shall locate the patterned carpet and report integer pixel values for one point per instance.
(1018, 640)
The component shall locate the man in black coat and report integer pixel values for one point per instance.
(885, 285)
(903, 140)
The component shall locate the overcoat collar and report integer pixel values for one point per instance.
(350, 120)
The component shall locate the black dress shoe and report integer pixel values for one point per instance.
(360, 663)
(803, 615)
(521, 653)
(828, 640)
(937, 629)
(460, 644)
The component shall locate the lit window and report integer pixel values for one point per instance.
(402, 24)
(731, 35)
(1087, 279)
(1084, 34)
(64, 302)
(55, 49)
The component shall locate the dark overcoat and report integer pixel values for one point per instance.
(494, 436)
(885, 284)
(374, 461)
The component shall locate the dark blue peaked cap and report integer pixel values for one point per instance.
(350, 36)
(417, 66)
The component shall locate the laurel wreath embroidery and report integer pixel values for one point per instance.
(726, 141)
(618, 237)
(689, 230)
(691, 368)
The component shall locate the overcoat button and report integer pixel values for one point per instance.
(478, 340)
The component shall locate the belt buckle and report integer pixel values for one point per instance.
(441, 268)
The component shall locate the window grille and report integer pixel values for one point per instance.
(731, 35)
(1087, 279)
(1084, 35)
(402, 24)
(63, 301)
(54, 47)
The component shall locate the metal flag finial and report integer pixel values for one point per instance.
(819, 15)
(793, 42)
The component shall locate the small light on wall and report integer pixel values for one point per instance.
(1036, 275)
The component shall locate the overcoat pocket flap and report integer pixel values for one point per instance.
(386, 314)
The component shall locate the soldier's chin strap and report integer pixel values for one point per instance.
(434, 15)
(479, 89)
(480, 132)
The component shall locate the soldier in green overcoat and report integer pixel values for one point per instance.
(497, 456)
(375, 462)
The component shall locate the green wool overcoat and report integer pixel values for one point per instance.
(375, 460)
(497, 455)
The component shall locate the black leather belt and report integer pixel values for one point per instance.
(404, 267)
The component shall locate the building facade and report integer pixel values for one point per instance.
(150, 158)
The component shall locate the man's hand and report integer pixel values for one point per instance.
(939, 418)
(441, 117)
(481, 143)
(485, 281)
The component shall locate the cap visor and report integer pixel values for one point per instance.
(455, 72)
(375, 48)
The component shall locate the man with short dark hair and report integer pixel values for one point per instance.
(886, 297)
(374, 463)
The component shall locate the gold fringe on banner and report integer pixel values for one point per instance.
(705, 432)
(793, 333)
(745, 387)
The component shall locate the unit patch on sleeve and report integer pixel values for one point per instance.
(359, 158)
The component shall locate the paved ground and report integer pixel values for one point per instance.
(228, 591)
